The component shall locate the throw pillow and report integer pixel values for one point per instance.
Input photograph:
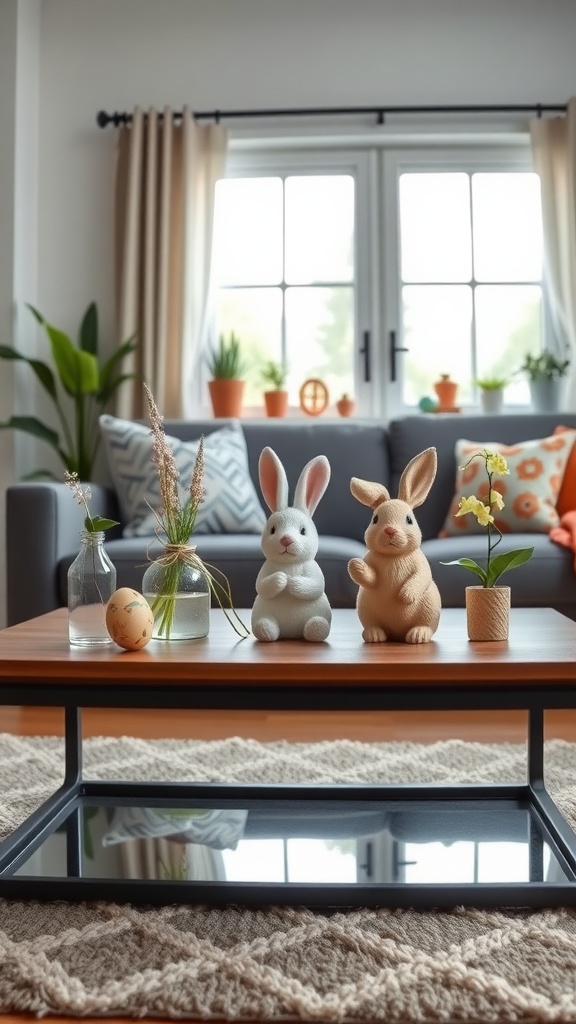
(530, 492)
(567, 497)
(230, 502)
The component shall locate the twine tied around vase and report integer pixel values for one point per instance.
(219, 585)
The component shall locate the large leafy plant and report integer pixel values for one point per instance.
(80, 388)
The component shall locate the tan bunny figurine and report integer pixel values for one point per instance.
(397, 599)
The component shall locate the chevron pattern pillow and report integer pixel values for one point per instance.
(230, 503)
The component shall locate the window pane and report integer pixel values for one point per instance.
(321, 860)
(507, 227)
(435, 227)
(437, 333)
(248, 231)
(507, 327)
(319, 228)
(319, 335)
(255, 315)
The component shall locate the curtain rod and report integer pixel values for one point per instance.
(103, 119)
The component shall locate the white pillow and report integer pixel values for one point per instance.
(230, 502)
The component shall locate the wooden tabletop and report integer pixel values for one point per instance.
(541, 646)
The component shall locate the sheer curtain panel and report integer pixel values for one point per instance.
(165, 179)
(554, 152)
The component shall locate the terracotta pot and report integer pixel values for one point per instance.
(346, 406)
(276, 402)
(226, 396)
(446, 390)
(487, 613)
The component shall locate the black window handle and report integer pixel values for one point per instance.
(365, 353)
(394, 348)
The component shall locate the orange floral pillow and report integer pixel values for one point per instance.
(530, 492)
(567, 497)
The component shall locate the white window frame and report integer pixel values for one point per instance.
(362, 167)
(376, 164)
(395, 162)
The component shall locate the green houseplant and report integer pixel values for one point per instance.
(275, 396)
(80, 388)
(547, 377)
(491, 393)
(226, 366)
(225, 361)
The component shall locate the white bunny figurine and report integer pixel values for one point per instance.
(397, 599)
(291, 603)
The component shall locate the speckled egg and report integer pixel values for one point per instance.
(129, 619)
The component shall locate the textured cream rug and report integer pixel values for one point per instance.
(283, 963)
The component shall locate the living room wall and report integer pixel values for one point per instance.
(233, 54)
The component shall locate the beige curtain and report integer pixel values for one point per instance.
(165, 179)
(554, 153)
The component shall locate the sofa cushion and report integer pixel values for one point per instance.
(530, 491)
(567, 497)
(230, 504)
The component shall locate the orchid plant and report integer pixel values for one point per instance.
(496, 565)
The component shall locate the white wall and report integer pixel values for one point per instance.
(113, 54)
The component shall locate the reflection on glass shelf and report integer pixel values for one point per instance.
(302, 841)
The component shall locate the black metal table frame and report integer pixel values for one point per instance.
(66, 803)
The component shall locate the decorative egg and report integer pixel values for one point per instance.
(427, 404)
(129, 619)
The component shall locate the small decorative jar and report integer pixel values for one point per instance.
(446, 390)
(488, 613)
(178, 592)
(91, 583)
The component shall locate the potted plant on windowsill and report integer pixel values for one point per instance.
(345, 405)
(491, 393)
(226, 366)
(275, 397)
(547, 376)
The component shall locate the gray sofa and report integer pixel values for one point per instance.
(43, 522)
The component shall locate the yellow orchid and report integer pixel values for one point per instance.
(495, 464)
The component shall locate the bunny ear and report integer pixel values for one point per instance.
(273, 480)
(312, 483)
(368, 493)
(418, 477)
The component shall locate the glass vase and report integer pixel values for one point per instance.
(178, 592)
(91, 583)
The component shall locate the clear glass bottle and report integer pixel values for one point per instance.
(91, 583)
(178, 593)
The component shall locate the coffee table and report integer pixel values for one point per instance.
(534, 670)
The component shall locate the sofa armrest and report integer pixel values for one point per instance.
(43, 524)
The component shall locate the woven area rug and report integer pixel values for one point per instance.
(283, 963)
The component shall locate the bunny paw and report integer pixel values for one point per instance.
(266, 629)
(374, 635)
(316, 629)
(419, 635)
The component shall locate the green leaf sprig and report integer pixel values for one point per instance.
(92, 524)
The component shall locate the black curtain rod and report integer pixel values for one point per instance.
(103, 119)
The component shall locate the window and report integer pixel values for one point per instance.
(285, 270)
(470, 276)
(377, 269)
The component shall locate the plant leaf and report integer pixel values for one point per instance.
(101, 523)
(468, 563)
(34, 426)
(42, 370)
(508, 560)
(88, 335)
(78, 370)
(110, 365)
